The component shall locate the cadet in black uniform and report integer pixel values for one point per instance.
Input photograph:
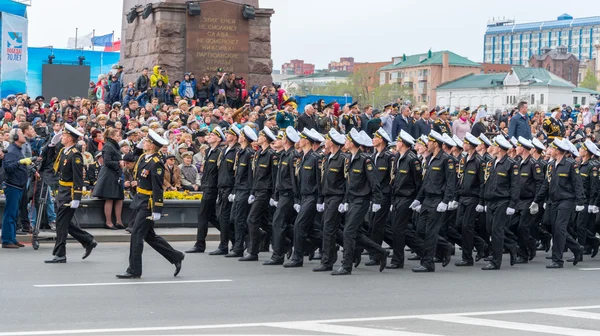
(530, 180)
(565, 193)
(540, 232)
(69, 166)
(588, 171)
(307, 191)
(147, 205)
(501, 198)
(383, 161)
(406, 182)
(226, 164)
(264, 168)
(283, 198)
(207, 212)
(439, 184)
(332, 192)
(241, 190)
(362, 187)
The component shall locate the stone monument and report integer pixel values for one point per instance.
(220, 37)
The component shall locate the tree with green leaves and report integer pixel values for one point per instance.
(590, 81)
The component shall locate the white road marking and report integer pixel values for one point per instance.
(131, 283)
(590, 269)
(539, 328)
(569, 313)
(343, 330)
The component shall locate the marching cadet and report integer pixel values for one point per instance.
(147, 205)
(349, 120)
(383, 162)
(207, 212)
(441, 124)
(530, 181)
(241, 190)
(439, 184)
(225, 183)
(484, 148)
(332, 192)
(264, 168)
(470, 185)
(362, 186)
(501, 198)
(69, 167)
(542, 233)
(565, 192)
(307, 188)
(588, 170)
(552, 124)
(406, 182)
(283, 198)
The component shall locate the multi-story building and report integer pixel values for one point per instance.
(297, 68)
(345, 64)
(424, 72)
(558, 61)
(508, 43)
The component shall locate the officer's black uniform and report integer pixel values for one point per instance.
(530, 181)
(501, 192)
(552, 128)
(586, 234)
(225, 185)
(207, 212)
(149, 173)
(407, 180)
(384, 164)
(69, 165)
(564, 190)
(349, 122)
(240, 208)
(442, 127)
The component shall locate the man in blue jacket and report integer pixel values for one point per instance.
(402, 122)
(15, 166)
(519, 123)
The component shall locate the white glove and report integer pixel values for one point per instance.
(534, 208)
(297, 208)
(56, 139)
(341, 208)
(485, 208)
(155, 216)
(231, 198)
(251, 199)
(596, 209)
(391, 208)
(442, 207)
(453, 205)
(579, 208)
(74, 204)
(544, 206)
(320, 207)
(272, 203)
(510, 211)
(376, 207)
(479, 208)
(591, 208)
(418, 209)
(414, 204)
(346, 207)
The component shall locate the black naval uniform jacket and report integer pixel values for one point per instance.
(243, 169)
(562, 183)
(588, 171)
(362, 181)
(226, 169)
(384, 164)
(210, 174)
(471, 179)
(503, 182)
(69, 165)
(265, 170)
(530, 180)
(408, 176)
(284, 181)
(334, 175)
(308, 176)
(439, 178)
(149, 173)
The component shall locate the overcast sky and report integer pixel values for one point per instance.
(320, 31)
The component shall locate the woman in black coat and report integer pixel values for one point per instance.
(109, 186)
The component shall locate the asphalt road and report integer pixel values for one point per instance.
(215, 295)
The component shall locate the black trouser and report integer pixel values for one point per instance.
(239, 213)
(23, 223)
(353, 236)
(65, 227)
(431, 221)
(377, 223)
(257, 218)
(500, 231)
(143, 230)
(207, 214)
(466, 216)
(224, 216)
(586, 233)
(559, 217)
(481, 228)
(403, 235)
(525, 232)
(304, 227)
(331, 228)
(283, 221)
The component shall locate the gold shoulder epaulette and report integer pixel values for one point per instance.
(155, 159)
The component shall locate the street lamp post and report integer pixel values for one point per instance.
(373, 99)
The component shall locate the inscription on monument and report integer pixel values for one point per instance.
(218, 38)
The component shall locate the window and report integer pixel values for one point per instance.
(507, 99)
(542, 98)
(582, 100)
(419, 99)
(574, 100)
(570, 75)
(532, 100)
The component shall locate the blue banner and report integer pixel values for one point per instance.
(13, 67)
(103, 41)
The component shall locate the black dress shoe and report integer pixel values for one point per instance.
(322, 268)
(194, 250)
(595, 250)
(218, 252)
(120, 226)
(272, 262)
(422, 269)
(112, 227)
(383, 262)
(292, 264)
(481, 254)
(554, 265)
(19, 244)
(414, 257)
(249, 257)
(357, 258)
(490, 267)
(394, 266)
(463, 263)
(577, 257)
(521, 260)
(126, 275)
(178, 265)
(341, 271)
(447, 257)
(10, 246)
(56, 260)
(513, 257)
(233, 255)
(88, 250)
(532, 254)
(372, 262)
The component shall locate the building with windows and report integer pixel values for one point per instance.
(537, 86)
(558, 61)
(345, 64)
(297, 68)
(424, 72)
(508, 43)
